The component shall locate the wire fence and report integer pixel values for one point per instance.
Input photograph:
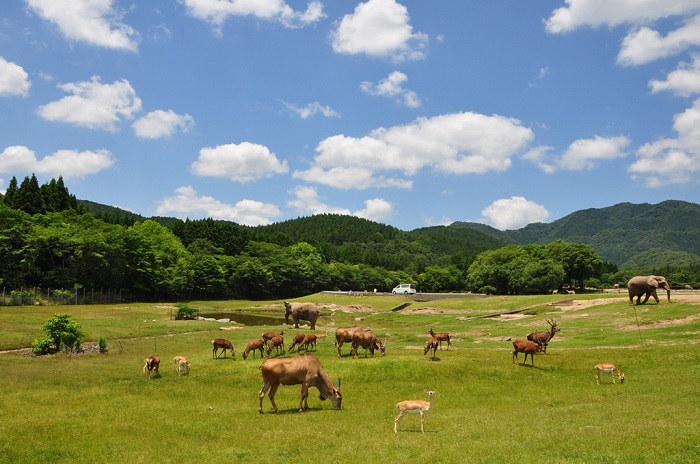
(59, 296)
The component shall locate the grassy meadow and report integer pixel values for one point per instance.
(101, 408)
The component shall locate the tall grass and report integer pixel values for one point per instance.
(102, 408)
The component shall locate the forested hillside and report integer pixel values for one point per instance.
(49, 240)
(629, 235)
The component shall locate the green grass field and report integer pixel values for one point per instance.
(101, 408)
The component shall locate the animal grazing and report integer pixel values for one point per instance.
(521, 345)
(223, 344)
(688, 287)
(309, 341)
(367, 340)
(571, 292)
(296, 341)
(432, 345)
(254, 345)
(442, 337)
(301, 311)
(414, 407)
(152, 363)
(543, 338)
(181, 364)
(267, 336)
(607, 368)
(647, 285)
(344, 335)
(277, 343)
(306, 370)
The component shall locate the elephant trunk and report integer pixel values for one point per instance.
(668, 294)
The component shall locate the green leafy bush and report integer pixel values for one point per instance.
(41, 346)
(62, 334)
(184, 311)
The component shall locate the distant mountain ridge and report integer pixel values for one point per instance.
(629, 235)
(620, 233)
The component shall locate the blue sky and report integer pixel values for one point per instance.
(411, 113)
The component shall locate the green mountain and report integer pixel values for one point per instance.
(629, 235)
(626, 234)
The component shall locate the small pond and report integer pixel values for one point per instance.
(247, 319)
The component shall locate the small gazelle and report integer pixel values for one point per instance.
(607, 368)
(414, 406)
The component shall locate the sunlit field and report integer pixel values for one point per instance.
(94, 407)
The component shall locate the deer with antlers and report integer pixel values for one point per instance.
(543, 338)
(414, 407)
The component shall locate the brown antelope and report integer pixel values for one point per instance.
(306, 370)
(414, 407)
(432, 345)
(296, 341)
(275, 343)
(543, 338)
(344, 335)
(525, 346)
(152, 363)
(267, 336)
(254, 345)
(442, 337)
(368, 341)
(223, 344)
(309, 341)
(181, 365)
(607, 368)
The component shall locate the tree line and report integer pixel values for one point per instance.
(47, 240)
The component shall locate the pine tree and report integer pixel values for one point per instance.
(29, 198)
(11, 194)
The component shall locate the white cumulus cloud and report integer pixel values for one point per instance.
(216, 12)
(672, 161)
(93, 104)
(244, 162)
(382, 29)
(66, 163)
(513, 213)
(587, 153)
(642, 43)
(645, 44)
(159, 123)
(684, 81)
(14, 80)
(188, 203)
(95, 22)
(458, 143)
(392, 87)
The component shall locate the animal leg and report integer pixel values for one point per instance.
(304, 398)
(515, 356)
(421, 422)
(397, 420)
(271, 395)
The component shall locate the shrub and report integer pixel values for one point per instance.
(62, 334)
(102, 344)
(41, 346)
(184, 311)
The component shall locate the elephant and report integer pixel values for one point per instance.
(647, 285)
(304, 311)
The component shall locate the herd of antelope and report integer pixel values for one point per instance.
(305, 369)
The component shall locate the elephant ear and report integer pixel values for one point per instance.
(653, 281)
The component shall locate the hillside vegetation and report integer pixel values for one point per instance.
(621, 233)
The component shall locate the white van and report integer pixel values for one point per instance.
(404, 289)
